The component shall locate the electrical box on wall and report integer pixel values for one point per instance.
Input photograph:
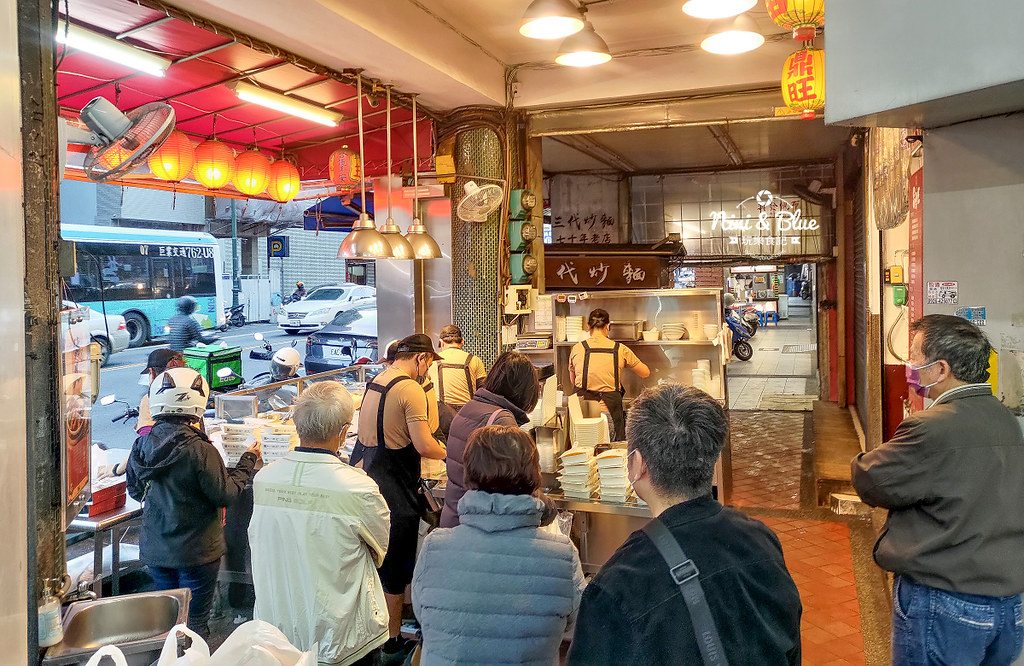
(519, 299)
(520, 234)
(522, 266)
(893, 275)
(520, 204)
(899, 295)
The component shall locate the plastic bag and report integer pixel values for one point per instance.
(112, 651)
(198, 654)
(258, 643)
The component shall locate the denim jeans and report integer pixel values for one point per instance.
(201, 580)
(932, 626)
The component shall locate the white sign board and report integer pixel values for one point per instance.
(943, 293)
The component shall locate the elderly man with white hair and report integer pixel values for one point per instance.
(319, 531)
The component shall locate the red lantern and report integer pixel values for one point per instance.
(174, 159)
(252, 172)
(803, 81)
(803, 17)
(284, 181)
(345, 168)
(215, 164)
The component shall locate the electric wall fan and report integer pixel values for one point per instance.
(479, 202)
(119, 142)
(814, 193)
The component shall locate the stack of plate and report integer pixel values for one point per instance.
(277, 440)
(675, 331)
(578, 477)
(586, 431)
(614, 481)
(574, 329)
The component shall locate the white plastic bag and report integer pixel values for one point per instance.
(112, 651)
(258, 643)
(196, 655)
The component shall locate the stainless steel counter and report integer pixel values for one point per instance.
(115, 522)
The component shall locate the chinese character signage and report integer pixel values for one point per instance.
(185, 251)
(584, 210)
(590, 273)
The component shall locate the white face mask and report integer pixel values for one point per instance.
(631, 481)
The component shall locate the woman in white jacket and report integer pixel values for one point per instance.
(319, 531)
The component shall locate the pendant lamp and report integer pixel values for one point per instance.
(284, 181)
(423, 244)
(400, 248)
(215, 164)
(173, 160)
(252, 173)
(364, 241)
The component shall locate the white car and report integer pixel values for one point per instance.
(322, 305)
(111, 333)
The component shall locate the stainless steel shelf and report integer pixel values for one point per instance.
(653, 343)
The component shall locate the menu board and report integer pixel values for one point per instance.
(76, 406)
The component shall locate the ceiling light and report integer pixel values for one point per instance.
(104, 47)
(717, 9)
(551, 19)
(423, 244)
(730, 37)
(400, 247)
(278, 102)
(584, 49)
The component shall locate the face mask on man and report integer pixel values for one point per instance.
(914, 378)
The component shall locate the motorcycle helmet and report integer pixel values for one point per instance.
(728, 299)
(179, 391)
(285, 363)
(187, 305)
(298, 284)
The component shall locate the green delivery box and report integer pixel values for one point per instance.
(208, 360)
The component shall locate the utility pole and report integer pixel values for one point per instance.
(236, 282)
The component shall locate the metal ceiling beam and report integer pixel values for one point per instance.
(721, 134)
(593, 148)
(145, 26)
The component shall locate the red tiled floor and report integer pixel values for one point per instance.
(818, 557)
(766, 459)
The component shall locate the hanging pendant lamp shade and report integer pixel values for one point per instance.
(550, 19)
(215, 164)
(173, 160)
(284, 181)
(423, 244)
(583, 49)
(364, 241)
(252, 173)
(400, 247)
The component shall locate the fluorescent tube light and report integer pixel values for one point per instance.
(278, 102)
(104, 47)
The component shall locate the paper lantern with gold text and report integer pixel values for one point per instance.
(174, 159)
(252, 173)
(284, 181)
(215, 164)
(803, 81)
(345, 168)
(803, 17)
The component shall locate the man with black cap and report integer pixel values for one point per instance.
(394, 434)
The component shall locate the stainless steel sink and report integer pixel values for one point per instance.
(136, 623)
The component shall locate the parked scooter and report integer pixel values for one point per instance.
(741, 348)
(749, 318)
(234, 315)
(130, 412)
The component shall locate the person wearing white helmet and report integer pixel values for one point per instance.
(285, 364)
(184, 483)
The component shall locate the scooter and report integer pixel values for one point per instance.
(741, 349)
(234, 316)
(129, 411)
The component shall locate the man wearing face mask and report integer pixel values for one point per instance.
(393, 435)
(951, 478)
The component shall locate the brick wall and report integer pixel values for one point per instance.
(713, 277)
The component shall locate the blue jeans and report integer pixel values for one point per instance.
(932, 626)
(201, 580)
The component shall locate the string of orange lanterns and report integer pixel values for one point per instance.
(803, 74)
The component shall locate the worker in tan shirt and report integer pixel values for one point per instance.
(457, 374)
(594, 367)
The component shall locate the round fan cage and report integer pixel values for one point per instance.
(151, 125)
(479, 202)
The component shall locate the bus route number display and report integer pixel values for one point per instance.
(186, 251)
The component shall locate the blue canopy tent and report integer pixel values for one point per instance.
(330, 214)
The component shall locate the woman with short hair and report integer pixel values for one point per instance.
(510, 391)
(498, 583)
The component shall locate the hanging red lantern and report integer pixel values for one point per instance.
(803, 17)
(345, 168)
(173, 160)
(284, 181)
(215, 164)
(252, 173)
(803, 81)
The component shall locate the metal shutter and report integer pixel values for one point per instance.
(860, 306)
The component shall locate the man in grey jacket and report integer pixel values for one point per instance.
(952, 478)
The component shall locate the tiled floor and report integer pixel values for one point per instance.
(771, 372)
(766, 459)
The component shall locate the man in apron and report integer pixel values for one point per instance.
(457, 373)
(393, 435)
(594, 367)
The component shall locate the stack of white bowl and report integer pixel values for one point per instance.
(574, 329)
(701, 376)
(236, 438)
(675, 331)
(578, 477)
(277, 440)
(614, 481)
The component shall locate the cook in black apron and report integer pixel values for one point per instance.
(612, 399)
(470, 382)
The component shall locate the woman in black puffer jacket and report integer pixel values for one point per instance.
(510, 392)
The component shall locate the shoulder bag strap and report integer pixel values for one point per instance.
(685, 574)
(494, 415)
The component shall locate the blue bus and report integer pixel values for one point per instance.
(140, 273)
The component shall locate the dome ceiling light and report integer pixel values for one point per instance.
(551, 19)
(583, 49)
(731, 37)
(717, 9)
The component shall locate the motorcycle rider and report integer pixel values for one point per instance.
(184, 329)
(299, 293)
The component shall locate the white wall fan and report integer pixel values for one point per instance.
(118, 142)
(480, 201)
(814, 192)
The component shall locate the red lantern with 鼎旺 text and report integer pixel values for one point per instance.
(284, 181)
(345, 168)
(803, 17)
(803, 81)
(173, 160)
(215, 164)
(252, 173)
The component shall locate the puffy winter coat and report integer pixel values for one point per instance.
(474, 415)
(497, 589)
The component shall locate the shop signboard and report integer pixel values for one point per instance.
(584, 210)
(584, 273)
(76, 402)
